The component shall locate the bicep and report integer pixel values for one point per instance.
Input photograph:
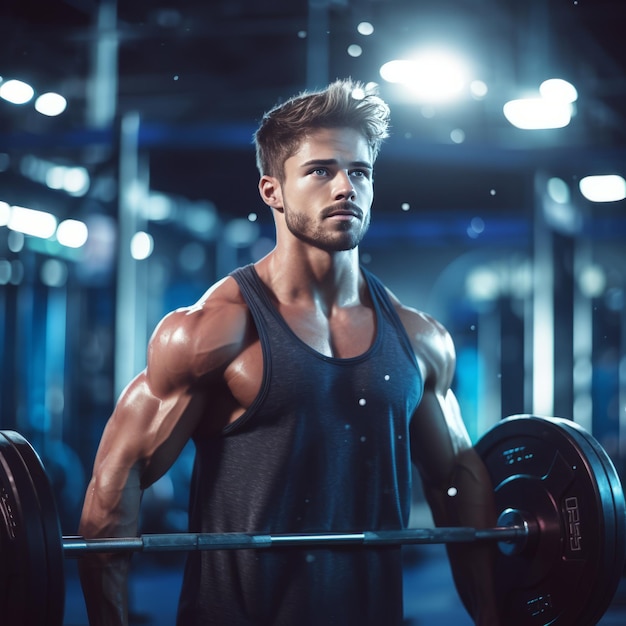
(438, 436)
(454, 477)
(147, 430)
(141, 440)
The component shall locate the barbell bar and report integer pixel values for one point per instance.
(76, 546)
(561, 532)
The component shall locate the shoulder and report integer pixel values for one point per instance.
(432, 343)
(202, 339)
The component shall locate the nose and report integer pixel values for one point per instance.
(344, 189)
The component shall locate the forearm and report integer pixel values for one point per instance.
(111, 510)
(105, 588)
(468, 501)
(472, 570)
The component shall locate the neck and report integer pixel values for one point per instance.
(330, 278)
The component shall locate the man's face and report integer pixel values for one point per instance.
(327, 189)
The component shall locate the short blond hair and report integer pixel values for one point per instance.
(283, 128)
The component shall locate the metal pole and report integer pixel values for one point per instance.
(317, 44)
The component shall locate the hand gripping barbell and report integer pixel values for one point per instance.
(561, 531)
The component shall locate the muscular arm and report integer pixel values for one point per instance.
(459, 493)
(456, 483)
(136, 448)
(151, 423)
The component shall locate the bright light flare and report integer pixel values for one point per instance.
(50, 104)
(32, 222)
(16, 91)
(607, 188)
(5, 213)
(76, 181)
(432, 76)
(537, 113)
(558, 90)
(141, 245)
(553, 109)
(72, 233)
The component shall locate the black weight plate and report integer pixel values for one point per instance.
(55, 596)
(556, 473)
(26, 551)
(23, 542)
(612, 498)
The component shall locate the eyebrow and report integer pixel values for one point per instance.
(363, 164)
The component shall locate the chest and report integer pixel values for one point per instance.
(312, 393)
(346, 335)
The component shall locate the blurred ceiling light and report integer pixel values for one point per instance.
(73, 180)
(240, 233)
(558, 190)
(50, 104)
(33, 168)
(141, 245)
(53, 273)
(482, 284)
(31, 222)
(432, 76)
(201, 218)
(562, 217)
(608, 188)
(5, 213)
(365, 28)
(54, 177)
(16, 241)
(76, 181)
(354, 50)
(158, 207)
(559, 90)
(538, 113)
(479, 89)
(457, 135)
(72, 233)
(5, 271)
(16, 91)
(592, 281)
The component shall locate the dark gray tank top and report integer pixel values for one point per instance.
(324, 447)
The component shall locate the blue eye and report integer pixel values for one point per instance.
(360, 173)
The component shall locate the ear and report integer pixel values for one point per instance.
(271, 192)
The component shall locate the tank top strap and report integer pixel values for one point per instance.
(379, 294)
(251, 288)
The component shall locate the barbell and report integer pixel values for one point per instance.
(561, 532)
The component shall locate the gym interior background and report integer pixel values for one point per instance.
(139, 191)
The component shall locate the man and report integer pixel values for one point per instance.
(307, 389)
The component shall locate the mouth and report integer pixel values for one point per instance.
(345, 211)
